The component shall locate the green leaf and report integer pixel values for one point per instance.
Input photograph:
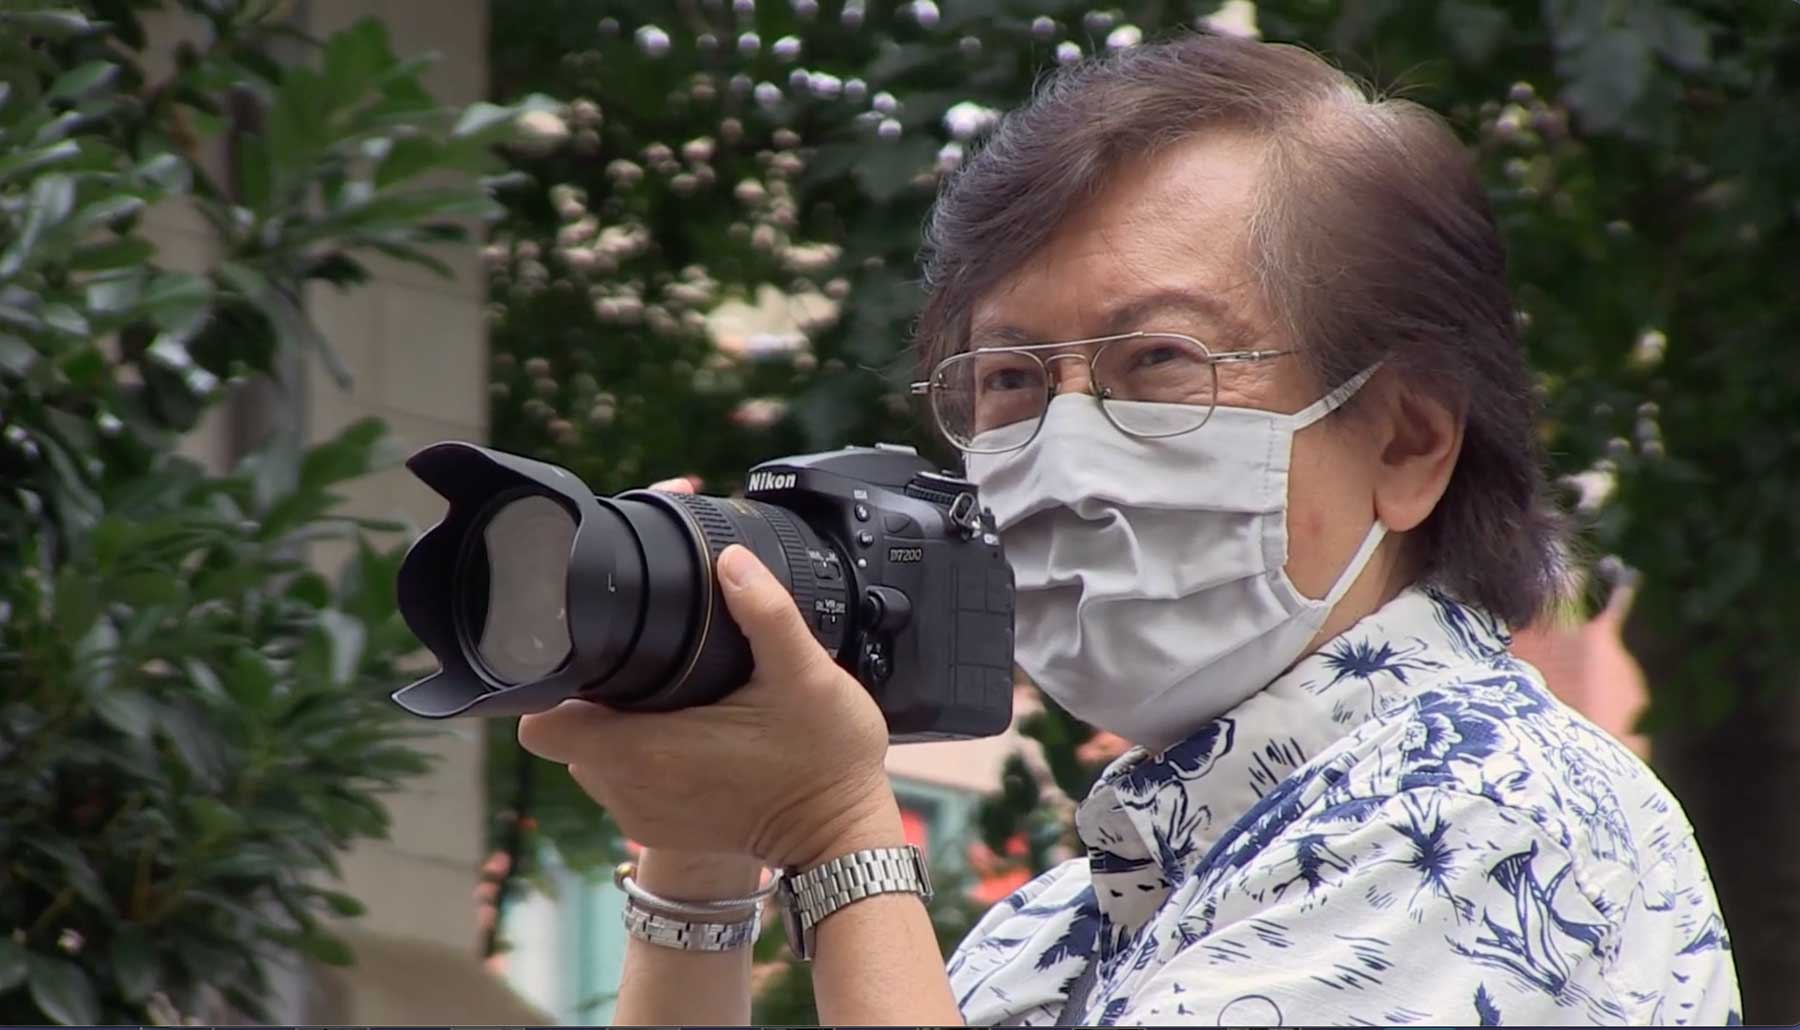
(32, 159)
(327, 948)
(51, 200)
(129, 711)
(215, 819)
(175, 299)
(62, 991)
(108, 211)
(115, 295)
(252, 680)
(149, 587)
(78, 82)
(16, 356)
(354, 58)
(77, 602)
(292, 327)
(255, 176)
(65, 319)
(12, 964)
(167, 172)
(85, 367)
(75, 870)
(1474, 30)
(134, 961)
(356, 451)
(342, 904)
(124, 252)
(204, 679)
(62, 23)
(196, 738)
(1607, 78)
(1680, 36)
(346, 637)
(296, 122)
(1574, 24)
(482, 118)
(407, 158)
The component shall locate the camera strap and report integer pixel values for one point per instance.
(1075, 1005)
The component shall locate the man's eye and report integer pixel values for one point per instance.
(1006, 379)
(1151, 356)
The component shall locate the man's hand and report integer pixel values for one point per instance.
(788, 769)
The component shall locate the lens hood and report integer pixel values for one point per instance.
(605, 583)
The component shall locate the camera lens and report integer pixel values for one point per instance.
(532, 590)
(689, 651)
(514, 582)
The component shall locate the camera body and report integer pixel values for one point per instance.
(933, 628)
(533, 590)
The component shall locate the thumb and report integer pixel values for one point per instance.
(766, 612)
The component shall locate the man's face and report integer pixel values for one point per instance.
(1164, 248)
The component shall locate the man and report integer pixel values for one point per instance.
(1229, 349)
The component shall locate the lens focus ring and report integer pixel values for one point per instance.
(721, 657)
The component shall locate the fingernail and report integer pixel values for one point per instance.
(736, 567)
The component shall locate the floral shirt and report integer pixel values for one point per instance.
(1407, 827)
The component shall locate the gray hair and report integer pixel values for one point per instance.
(1372, 241)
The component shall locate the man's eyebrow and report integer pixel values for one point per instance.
(1203, 316)
(1216, 323)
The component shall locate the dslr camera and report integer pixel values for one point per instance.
(532, 590)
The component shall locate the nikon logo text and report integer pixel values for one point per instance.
(761, 481)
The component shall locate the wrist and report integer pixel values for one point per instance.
(697, 875)
(875, 823)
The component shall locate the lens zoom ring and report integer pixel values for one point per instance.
(804, 583)
(714, 526)
(724, 655)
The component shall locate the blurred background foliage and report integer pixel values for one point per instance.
(715, 265)
(194, 723)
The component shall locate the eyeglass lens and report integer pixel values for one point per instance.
(992, 399)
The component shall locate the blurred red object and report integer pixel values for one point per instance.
(997, 876)
(1589, 667)
(916, 829)
(1102, 748)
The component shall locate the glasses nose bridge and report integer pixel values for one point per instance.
(1056, 373)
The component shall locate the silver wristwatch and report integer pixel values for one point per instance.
(806, 898)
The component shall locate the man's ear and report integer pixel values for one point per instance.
(1420, 437)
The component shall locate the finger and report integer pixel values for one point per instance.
(566, 732)
(765, 611)
(678, 485)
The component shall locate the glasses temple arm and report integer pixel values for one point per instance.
(1241, 356)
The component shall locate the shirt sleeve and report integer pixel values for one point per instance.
(1429, 906)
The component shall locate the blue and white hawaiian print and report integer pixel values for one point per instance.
(1407, 827)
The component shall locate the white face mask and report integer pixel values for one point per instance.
(1151, 591)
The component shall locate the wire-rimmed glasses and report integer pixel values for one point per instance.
(1149, 385)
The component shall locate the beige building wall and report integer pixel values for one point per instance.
(416, 345)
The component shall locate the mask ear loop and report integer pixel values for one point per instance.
(1377, 532)
(1358, 561)
(1335, 399)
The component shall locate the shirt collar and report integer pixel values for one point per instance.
(1150, 818)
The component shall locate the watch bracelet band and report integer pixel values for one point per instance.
(808, 897)
(681, 935)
